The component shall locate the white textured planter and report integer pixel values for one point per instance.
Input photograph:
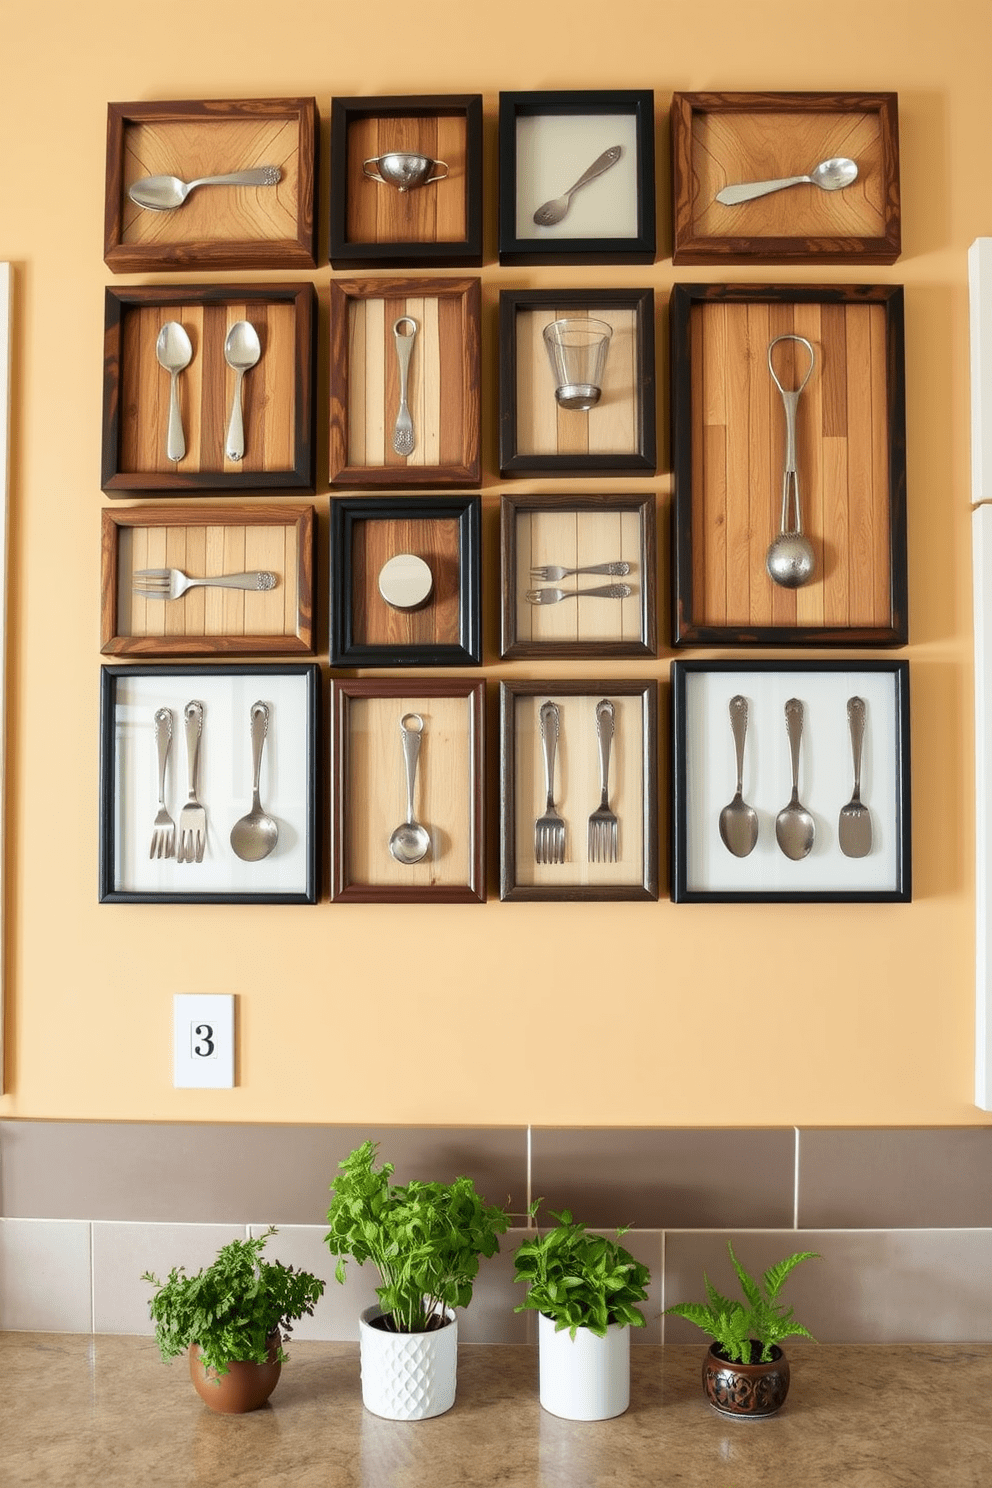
(408, 1376)
(586, 1378)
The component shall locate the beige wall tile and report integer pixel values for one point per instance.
(122, 1252)
(45, 1275)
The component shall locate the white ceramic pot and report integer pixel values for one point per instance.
(586, 1378)
(408, 1376)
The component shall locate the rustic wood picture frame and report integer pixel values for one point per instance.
(269, 227)
(430, 226)
(368, 789)
(575, 531)
(632, 789)
(208, 541)
(277, 394)
(728, 439)
(722, 139)
(445, 382)
(536, 437)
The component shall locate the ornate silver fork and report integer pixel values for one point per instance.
(163, 828)
(549, 829)
(552, 572)
(193, 817)
(602, 838)
(554, 596)
(172, 583)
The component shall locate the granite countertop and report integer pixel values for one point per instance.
(84, 1411)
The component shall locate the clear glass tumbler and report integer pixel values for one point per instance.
(577, 347)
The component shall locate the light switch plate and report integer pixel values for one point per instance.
(203, 1041)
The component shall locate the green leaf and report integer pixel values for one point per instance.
(733, 1326)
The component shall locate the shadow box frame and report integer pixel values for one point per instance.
(347, 513)
(116, 521)
(646, 885)
(691, 246)
(643, 459)
(296, 252)
(349, 253)
(702, 746)
(688, 587)
(512, 507)
(639, 247)
(121, 303)
(127, 753)
(345, 693)
(466, 294)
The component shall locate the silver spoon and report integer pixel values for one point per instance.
(791, 558)
(738, 820)
(794, 827)
(830, 175)
(174, 351)
(163, 193)
(410, 842)
(554, 210)
(242, 350)
(255, 835)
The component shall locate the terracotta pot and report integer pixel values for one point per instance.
(243, 1388)
(747, 1391)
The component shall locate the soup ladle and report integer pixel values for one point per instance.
(791, 558)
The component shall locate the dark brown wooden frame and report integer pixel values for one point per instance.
(114, 519)
(345, 252)
(467, 293)
(647, 888)
(690, 247)
(342, 691)
(643, 460)
(687, 628)
(292, 253)
(303, 474)
(511, 506)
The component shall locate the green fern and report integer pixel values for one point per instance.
(739, 1331)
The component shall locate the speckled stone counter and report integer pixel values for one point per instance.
(81, 1411)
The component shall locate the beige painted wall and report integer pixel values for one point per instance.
(626, 1014)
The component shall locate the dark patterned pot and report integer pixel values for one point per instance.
(747, 1391)
(243, 1388)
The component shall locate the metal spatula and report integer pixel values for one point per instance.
(854, 824)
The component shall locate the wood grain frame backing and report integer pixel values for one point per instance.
(445, 382)
(247, 228)
(278, 394)
(368, 790)
(207, 541)
(446, 533)
(728, 434)
(435, 226)
(580, 530)
(721, 139)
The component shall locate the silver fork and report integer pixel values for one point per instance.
(549, 829)
(552, 572)
(554, 596)
(163, 828)
(602, 840)
(172, 583)
(193, 817)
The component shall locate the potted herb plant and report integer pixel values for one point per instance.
(425, 1240)
(745, 1372)
(233, 1318)
(585, 1289)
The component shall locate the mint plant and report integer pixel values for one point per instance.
(742, 1332)
(580, 1280)
(232, 1307)
(425, 1239)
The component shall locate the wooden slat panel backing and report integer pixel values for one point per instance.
(427, 214)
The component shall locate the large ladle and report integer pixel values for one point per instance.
(790, 559)
(410, 842)
(255, 835)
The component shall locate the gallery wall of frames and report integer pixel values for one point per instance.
(230, 752)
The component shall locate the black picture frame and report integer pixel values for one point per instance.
(464, 589)
(129, 697)
(559, 246)
(703, 869)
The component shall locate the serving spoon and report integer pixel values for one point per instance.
(174, 351)
(242, 350)
(163, 193)
(830, 175)
(254, 836)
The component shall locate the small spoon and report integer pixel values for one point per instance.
(554, 210)
(163, 193)
(242, 350)
(738, 820)
(410, 842)
(791, 557)
(794, 827)
(255, 835)
(174, 351)
(830, 175)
